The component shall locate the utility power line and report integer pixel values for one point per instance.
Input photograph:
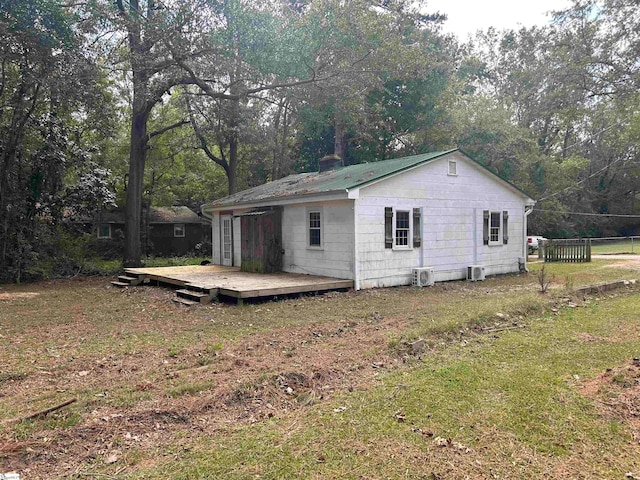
(591, 175)
(585, 214)
(581, 181)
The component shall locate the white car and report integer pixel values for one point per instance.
(533, 242)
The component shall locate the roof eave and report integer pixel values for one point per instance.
(285, 200)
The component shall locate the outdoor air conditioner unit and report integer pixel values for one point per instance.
(423, 277)
(475, 273)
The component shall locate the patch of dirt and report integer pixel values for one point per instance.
(193, 392)
(616, 393)
(626, 260)
(587, 337)
(148, 399)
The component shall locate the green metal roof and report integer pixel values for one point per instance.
(332, 181)
(339, 180)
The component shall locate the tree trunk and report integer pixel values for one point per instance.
(276, 143)
(340, 142)
(141, 108)
(232, 173)
(137, 157)
(9, 158)
(234, 125)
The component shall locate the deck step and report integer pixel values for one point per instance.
(193, 295)
(185, 301)
(120, 284)
(129, 280)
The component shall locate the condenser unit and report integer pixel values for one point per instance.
(423, 277)
(475, 273)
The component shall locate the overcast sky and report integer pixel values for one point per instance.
(467, 16)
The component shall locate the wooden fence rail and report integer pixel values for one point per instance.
(567, 251)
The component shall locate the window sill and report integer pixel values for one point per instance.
(311, 247)
(402, 248)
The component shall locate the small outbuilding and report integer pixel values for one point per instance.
(420, 219)
(169, 230)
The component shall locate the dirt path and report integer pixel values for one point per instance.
(624, 261)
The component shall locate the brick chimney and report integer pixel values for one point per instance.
(330, 162)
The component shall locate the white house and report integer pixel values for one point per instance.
(379, 224)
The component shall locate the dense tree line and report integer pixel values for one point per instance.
(150, 102)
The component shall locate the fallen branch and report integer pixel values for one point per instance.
(44, 412)
(500, 329)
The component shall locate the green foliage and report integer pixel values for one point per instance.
(46, 168)
(177, 172)
(271, 87)
(45, 22)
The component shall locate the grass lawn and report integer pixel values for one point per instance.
(98, 266)
(606, 247)
(508, 384)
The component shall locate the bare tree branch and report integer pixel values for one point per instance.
(203, 141)
(167, 128)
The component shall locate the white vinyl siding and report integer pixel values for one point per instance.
(451, 228)
(335, 257)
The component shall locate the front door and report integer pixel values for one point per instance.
(227, 240)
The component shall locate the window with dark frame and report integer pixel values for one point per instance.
(178, 230)
(402, 228)
(315, 229)
(104, 230)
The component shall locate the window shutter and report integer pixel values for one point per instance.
(388, 227)
(505, 227)
(417, 230)
(485, 228)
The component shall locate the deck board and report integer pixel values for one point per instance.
(232, 282)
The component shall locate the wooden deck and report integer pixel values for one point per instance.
(230, 281)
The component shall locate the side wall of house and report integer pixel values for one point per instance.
(335, 256)
(216, 257)
(164, 241)
(452, 209)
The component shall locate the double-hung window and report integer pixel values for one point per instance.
(314, 228)
(402, 229)
(495, 229)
